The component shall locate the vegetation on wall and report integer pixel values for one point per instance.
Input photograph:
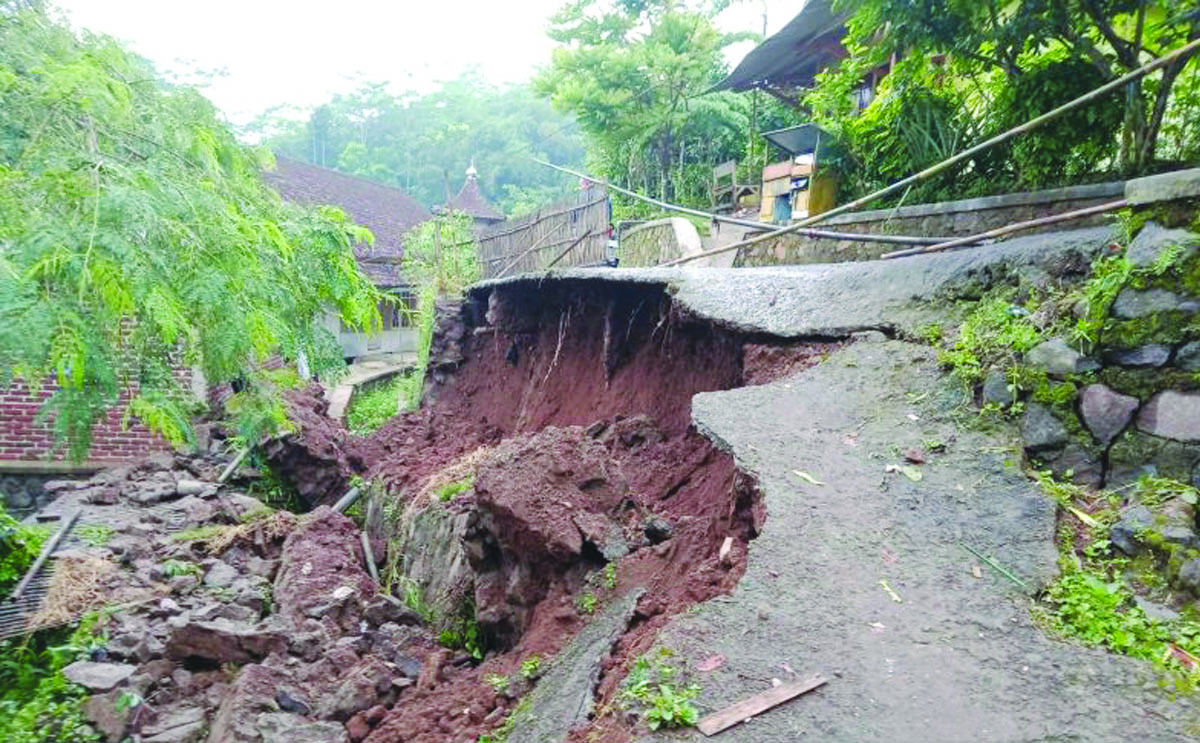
(19, 547)
(137, 236)
(967, 71)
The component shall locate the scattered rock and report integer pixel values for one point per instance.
(1134, 454)
(1058, 359)
(1105, 412)
(1172, 415)
(1151, 355)
(281, 727)
(1041, 430)
(222, 640)
(996, 390)
(220, 575)
(1188, 357)
(1124, 534)
(101, 710)
(1156, 611)
(1133, 303)
(1153, 239)
(180, 725)
(98, 676)
(195, 487)
(1077, 464)
(1189, 575)
(289, 703)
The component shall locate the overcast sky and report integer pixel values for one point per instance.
(301, 52)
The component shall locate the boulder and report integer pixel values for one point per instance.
(1041, 430)
(1124, 534)
(1131, 304)
(222, 640)
(360, 689)
(1134, 454)
(281, 727)
(1150, 355)
(101, 710)
(98, 676)
(1188, 357)
(1172, 415)
(996, 390)
(1189, 575)
(1077, 464)
(1058, 359)
(1105, 412)
(180, 725)
(1153, 239)
(220, 575)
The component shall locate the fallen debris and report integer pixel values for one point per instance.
(747, 708)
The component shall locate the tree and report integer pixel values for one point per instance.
(415, 140)
(137, 235)
(1012, 37)
(633, 74)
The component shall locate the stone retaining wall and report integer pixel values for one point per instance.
(945, 219)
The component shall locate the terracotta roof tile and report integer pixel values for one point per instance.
(471, 200)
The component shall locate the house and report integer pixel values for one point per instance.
(471, 201)
(389, 213)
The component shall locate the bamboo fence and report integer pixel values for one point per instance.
(531, 242)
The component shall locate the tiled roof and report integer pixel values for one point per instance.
(387, 211)
(471, 200)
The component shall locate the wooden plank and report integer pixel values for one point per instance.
(738, 713)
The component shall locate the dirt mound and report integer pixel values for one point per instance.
(316, 458)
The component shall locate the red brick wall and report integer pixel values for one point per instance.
(23, 437)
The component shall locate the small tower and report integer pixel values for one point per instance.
(471, 201)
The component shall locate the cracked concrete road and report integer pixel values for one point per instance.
(960, 659)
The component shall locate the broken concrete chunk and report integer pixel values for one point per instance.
(98, 676)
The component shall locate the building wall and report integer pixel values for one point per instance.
(24, 438)
(391, 340)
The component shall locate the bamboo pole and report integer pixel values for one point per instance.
(750, 224)
(570, 247)
(960, 157)
(530, 249)
(347, 500)
(369, 556)
(233, 465)
(1009, 229)
(47, 550)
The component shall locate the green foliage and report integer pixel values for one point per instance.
(414, 139)
(586, 602)
(176, 568)
(37, 703)
(967, 71)
(610, 576)
(531, 667)
(440, 258)
(1154, 491)
(19, 547)
(374, 405)
(448, 491)
(138, 235)
(275, 491)
(95, 535)
(498, 683)
(995, 333)
(657, 687)
(634, 75)
(1093, 602)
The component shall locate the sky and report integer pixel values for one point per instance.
(252, 55)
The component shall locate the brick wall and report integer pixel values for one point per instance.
(23, 437)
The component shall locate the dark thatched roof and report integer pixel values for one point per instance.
(790, 59)
(387, 211)
(472, 201)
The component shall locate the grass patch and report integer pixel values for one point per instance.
(19, 547)
(450, 490)
(95, 535)
(374, 404)
(38, 704)
(1093, 600)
